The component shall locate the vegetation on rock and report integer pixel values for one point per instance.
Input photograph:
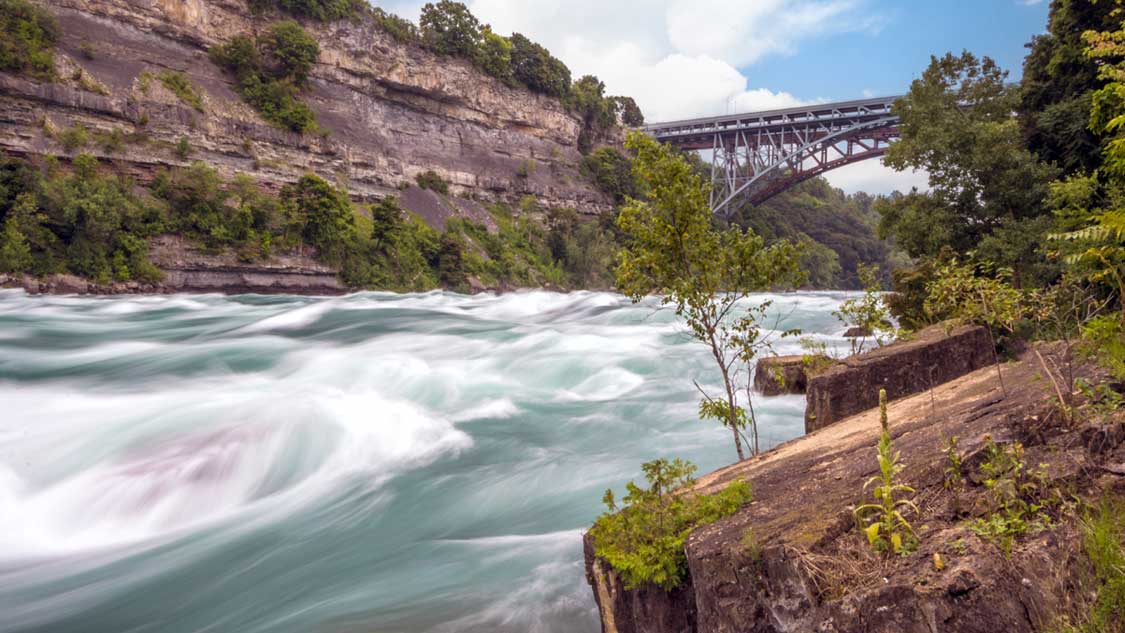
(28, 35)
(887, 529)
(673, 251)
(644, 540)
(271, 70)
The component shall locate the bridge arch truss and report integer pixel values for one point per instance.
(757, 155)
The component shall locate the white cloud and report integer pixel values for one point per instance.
(677, 58)
(681, 58)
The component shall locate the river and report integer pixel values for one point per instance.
(375, 462)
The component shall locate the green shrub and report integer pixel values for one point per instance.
(182, 87)
(429, 179)
(271, 71)
(74, 137)
(28, 35)
(321, 214)
(644, 540)
(1019, 496)
(183, 148)
(612, 172)
(322, 10)
(401, 29)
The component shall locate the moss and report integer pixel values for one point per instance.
(181, 86)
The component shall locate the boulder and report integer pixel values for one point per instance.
(931, 357)
(777, 375)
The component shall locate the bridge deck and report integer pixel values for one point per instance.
(830, 114)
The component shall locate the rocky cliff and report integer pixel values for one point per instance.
(794, 560)
(392, 110)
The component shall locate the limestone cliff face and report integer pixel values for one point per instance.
(393, 110)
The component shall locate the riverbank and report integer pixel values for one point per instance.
(784, 565)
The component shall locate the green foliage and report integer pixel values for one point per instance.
(83, 222)
(494, 56)
(321, 10)
(182, 148)
(1058, 83)
(598, 113)
(535, 67)
(449, 28)
(628, 110)
(820, 263)
(644, 540)
(271, 71)
(320, 214)
(954, 476)
(956, 125)
(74, 137)
(612, 172)
(843, 223)
(200, 205)
(1019, 496)
(430, 179)
(886, 529)
(868, 312)
(1103, 543)
(673, 251)
(28, 35)
(182, 87)
(15, 251)
(401, 29)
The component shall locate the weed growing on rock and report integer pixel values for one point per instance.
(182, 87)
(887, 529)
(1103, 543)
(1019, 496)
(28, 35)
(644, 540)
(954, 478)
(430, 179)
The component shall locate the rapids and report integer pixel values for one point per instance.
(375, 462)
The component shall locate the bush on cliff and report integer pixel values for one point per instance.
(322, 10)
(644, 540)
(272, 70)
(81, 221)
(28, 35)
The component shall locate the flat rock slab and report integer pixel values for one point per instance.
(777, 375)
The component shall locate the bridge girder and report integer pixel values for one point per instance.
(757, 155)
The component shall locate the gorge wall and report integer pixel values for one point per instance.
(393, 110)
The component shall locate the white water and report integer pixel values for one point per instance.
(376, 462)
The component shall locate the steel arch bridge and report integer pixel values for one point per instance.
(759, 154)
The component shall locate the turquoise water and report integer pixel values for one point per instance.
(375, 462)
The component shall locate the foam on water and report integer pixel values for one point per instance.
(421, 462)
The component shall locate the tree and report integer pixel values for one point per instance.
(631, 114)
(15, 252)
(292, 49)
(612, 172)
(957, 125)
(535, 67)
(587, 97)
(321, 214)
(495, 55)
(386, 218)
(674, 251)
(450, 28)
(1058, 83)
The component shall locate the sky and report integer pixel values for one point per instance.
(691, 58)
